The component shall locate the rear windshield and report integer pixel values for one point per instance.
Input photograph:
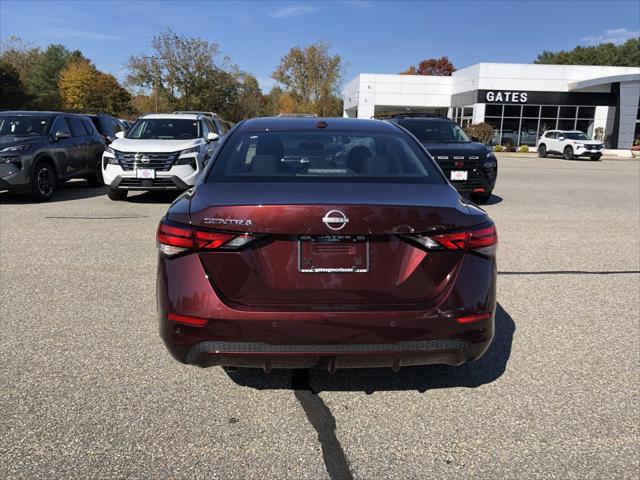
(322, 156)
(23, 126)
(165, 129)
(434, 131)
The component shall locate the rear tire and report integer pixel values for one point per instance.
(117, 195)
(481, 197)
(95, 179)
(568, 153)
(44, 182)
(542, 151)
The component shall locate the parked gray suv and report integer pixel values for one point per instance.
(38, 150)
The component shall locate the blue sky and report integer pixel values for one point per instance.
(372, 36)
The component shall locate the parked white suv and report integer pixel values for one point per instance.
(569, 144)
(160, 152)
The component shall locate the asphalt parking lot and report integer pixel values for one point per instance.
(88, 390)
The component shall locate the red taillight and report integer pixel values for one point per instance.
(474, 239)
(452, 241)
(175, 236)
(474, 318)
(483, 237)
(211, 240)
(187, 320)
(174, 239)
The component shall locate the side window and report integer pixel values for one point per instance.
(550, 135)
(214, 126)
(60, 125)
(205, 128)
(88, 126)
(77, 128)
(211, 125)
(116, 126)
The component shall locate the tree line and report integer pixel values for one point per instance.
(607, 54)
(179, 73)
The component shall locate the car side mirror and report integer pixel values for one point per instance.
(212, 137)
(560, 138)
(59, 135)
(119, 134)
(475, 139)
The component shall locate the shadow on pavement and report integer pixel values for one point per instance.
(485, 370)
(493, 200)
(73, 190)
(152, 197)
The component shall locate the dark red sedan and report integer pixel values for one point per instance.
(325, 242)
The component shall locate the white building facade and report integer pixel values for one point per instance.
(520, 101)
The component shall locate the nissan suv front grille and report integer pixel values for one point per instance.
(155, 161)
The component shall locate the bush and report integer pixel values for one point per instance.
(510, 147)
(524, 148)
(498, 148)
(483, 131)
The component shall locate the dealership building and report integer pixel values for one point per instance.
(519, 101)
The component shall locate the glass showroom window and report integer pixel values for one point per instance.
(523, 124)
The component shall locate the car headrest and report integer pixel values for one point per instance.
(268, 145)
(265, 164)
(378, 166)
(356, 156)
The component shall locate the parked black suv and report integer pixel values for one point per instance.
(470, 166)
(38, 150)
(107, 125)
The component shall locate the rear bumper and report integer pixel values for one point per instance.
(267, 356)
(332, 339)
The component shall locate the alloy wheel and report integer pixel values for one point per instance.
(45, 182)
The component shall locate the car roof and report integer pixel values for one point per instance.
(183, 116)
(419, 119)
(195, 112)
(40, 113)
(306, 123)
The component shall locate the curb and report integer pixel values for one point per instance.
(535, 155)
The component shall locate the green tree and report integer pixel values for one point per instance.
(22, 56)
(43, 79)
(249, 101)
(179, 65)
(625, 55)
(13, 93)
(313, 75)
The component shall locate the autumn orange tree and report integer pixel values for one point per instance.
(439, 67)
(83, 88)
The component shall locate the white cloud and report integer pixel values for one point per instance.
(58, 32)
(613, 35)
(295, 11)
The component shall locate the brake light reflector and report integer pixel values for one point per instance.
(187, 320)
(474, 318)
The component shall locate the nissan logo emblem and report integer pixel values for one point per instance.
(142, 158)
(335, 219)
